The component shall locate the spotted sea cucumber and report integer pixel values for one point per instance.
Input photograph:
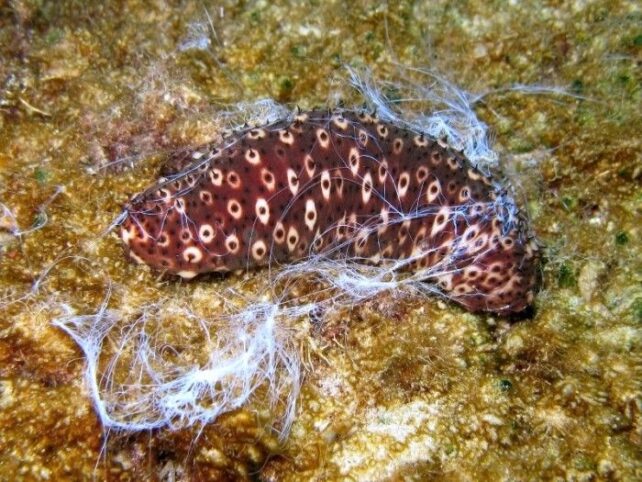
(338, 183)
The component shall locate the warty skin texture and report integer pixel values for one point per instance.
(341, 184)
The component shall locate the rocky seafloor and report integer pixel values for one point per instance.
(93, 96)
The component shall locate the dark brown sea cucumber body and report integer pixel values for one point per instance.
(340, 184)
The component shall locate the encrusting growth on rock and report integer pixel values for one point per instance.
(340, 184)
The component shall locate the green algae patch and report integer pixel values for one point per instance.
(94, 95)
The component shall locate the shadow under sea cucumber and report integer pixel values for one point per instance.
(339, 184)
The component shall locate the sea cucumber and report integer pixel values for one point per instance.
(338, 183)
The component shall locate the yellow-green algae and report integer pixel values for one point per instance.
(397, 388)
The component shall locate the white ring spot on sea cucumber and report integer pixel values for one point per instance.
(353, 159)
(445, 282)
(187, 274)
(205, 196)
(303, 117)
(206, 233)
(262, 210)
(472, 272)
(382, 130)
(323, 137)
(366, 188)
(341, 228)
(496, 224)
(434, 188)
(385, 216)
(495, 268)
(179, 204)
(453, 163)
(279, 232)
(420, 140)
(232, 243)
(325, 185)
(165, 195)
(338, 178)
(190, 180)
(317, 242)
(252, 156)
(186, 235)
(462, 289)
(286, 137)
(310, 214)
(402, 185)
(419, 238)
(192, 255)
(340, 121)
(216, 176)
(297, 127)
(234, 208)
(268, 179)
(383, 171)
(293, 181)
(387, 251)
(474, 175)
(363, 137)
(163, 240)
(466, 240)
(256, 134)
(258, 250)
(233, 180)
(422, 174)
(403, 231)
(293, 238)
(310, 165)
(507, 243)
(479, 244)
(464, 194)
(365, 118)
(127, 234)
(443, 215)
(360, 241)
(397, 146)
